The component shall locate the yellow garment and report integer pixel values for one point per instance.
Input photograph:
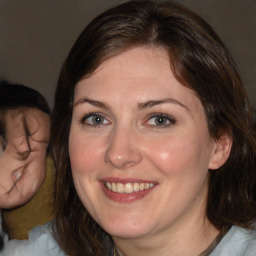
(39, 210)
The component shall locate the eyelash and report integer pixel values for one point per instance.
(91, 115)
(164, 117)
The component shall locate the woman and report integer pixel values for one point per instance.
(153, 139)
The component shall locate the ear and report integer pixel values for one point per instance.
(221, 151)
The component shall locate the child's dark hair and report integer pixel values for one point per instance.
(17, 95)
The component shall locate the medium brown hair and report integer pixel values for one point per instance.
(200, 61)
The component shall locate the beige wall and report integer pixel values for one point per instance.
(36, 35)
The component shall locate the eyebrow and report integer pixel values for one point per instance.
(144, 105)
(93, 102)
(152, 103)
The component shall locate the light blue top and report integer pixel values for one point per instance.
(237, 242)
(40, 243)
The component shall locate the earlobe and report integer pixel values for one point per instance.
(220, 152)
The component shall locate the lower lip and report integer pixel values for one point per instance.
(126, 198)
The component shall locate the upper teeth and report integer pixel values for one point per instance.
(127, 187)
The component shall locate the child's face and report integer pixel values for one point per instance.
(24, 140)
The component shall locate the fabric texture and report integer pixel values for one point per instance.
(237, 242)
(40, 243)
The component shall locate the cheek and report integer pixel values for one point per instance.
(83, 154)
(168, 158)
(180, 155)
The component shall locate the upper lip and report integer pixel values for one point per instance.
(126, 180)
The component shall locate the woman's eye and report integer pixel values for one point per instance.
(160, 120)
(95, 120)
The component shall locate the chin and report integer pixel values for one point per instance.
(126, 230)
(127, 234)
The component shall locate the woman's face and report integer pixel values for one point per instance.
(139, 146)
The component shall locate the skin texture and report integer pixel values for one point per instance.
(22, 155)
(129, 144)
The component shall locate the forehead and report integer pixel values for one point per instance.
(15, 120)
(140, 74)
(148, 61)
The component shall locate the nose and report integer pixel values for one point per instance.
(123, 149)
(24, 148)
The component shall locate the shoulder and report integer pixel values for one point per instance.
(40, 243)
(237, 242)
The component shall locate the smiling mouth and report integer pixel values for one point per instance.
(128, 188)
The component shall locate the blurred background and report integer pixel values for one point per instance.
(36, 36)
